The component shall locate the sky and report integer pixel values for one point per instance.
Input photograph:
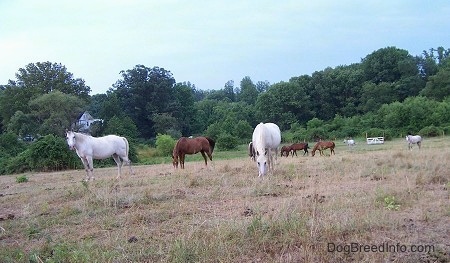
(209, 43)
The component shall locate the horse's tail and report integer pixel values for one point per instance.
(127, 146)
(212, 143)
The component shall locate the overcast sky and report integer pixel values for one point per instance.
(211, 42)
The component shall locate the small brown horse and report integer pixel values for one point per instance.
(204, 145)
(299, 146)
(285, 150)
(251, 151)
(321, 146)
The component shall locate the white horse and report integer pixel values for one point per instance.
(413, 139)
(266, 139)
(350, 142)
(89, 148)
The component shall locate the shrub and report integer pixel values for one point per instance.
(164, 144)
(227, 141)
(49, 153)
(431, 131)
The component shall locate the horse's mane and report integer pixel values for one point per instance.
(82, 136)
(212, 143)
(261, 137)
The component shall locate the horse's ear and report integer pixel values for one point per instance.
(265, 152)
(257, 153)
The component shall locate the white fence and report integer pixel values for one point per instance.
(375, 140)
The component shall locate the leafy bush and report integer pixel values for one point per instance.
(431, 131)
(49, 153)
(10, 145)
(164, 144)
(227, 141)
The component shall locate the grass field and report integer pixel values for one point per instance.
(371, 203)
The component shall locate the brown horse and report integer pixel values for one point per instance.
(204, 145)
(299, 146)
(285, 150)
(321, 146)
(251, 151)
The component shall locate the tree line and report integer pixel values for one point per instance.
(388, 92)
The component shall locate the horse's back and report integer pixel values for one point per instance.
(274, 135)
(109, 145)
(267, 135)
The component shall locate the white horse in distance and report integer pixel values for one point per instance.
(89, 148)
(265, 140)
(350, 142)
(413, 139)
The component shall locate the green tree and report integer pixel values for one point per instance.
(35, 80)
(438, 86)
(228, 90)
(374, 95)
(284, 103)
(204, 113)
(144, 91)
(22, 124)
(45, 77)
(122, 126)
(164, 122)
(389, 65)
(248, 92)
(184, 108)
(55, 112)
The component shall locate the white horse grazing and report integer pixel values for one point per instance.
(89, 148)
(266, 139)
(413, 139)
(350, 142)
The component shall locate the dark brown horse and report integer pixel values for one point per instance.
(299, 146)
(204, 145)
(285, 150)
(251, 151)
(321, 146)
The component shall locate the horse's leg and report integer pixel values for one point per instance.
(86, 168)
(418, 144)
(204, 157)
(90, 163)
(182, 155)
(271, 161)
(209, 153)
(126, 160)
(119, 164)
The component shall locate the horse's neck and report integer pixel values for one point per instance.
(80, 139)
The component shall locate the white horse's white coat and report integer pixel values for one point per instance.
(413, 139)
(350, 142)
(266, 139)
(89, 148)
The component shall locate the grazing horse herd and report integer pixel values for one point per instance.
(266, 139)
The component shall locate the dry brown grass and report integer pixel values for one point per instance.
(369, 195)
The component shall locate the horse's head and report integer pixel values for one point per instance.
(261, 162)
(175, 161)
(70, 138)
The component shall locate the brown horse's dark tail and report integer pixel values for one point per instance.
(212, 143)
